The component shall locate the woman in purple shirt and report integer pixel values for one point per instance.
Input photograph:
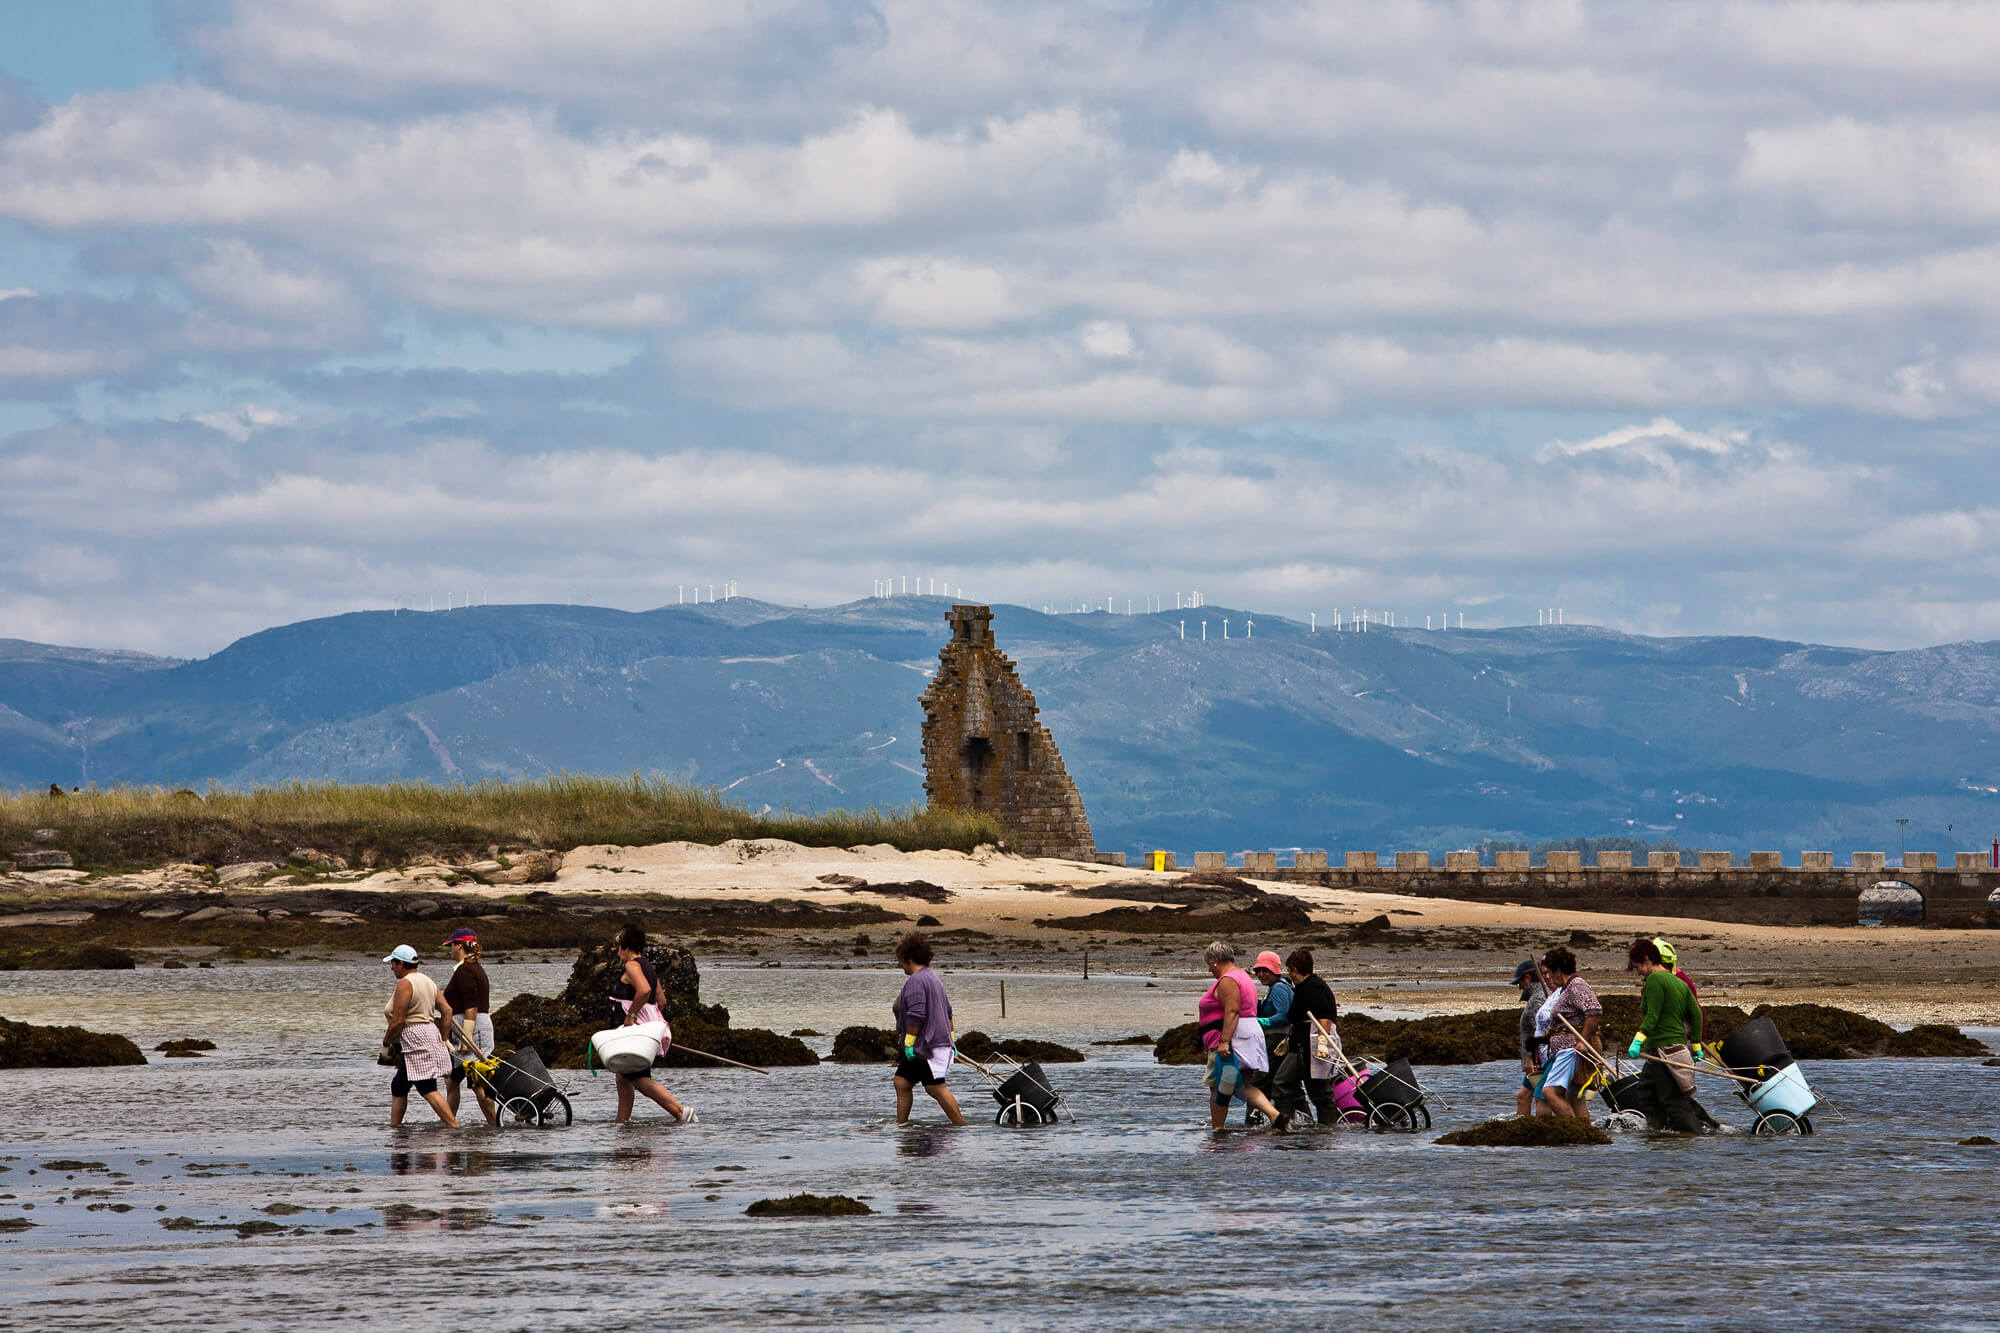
(923, 1031)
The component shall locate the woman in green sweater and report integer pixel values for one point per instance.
(1670, 1029)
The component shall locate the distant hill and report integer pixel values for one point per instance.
(1388, 739)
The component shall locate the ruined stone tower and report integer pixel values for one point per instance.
(985, 747)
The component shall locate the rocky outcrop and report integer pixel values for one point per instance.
(980, 1047)
(863, 1045)
(26, 1046)
(1811, 1031)
(559, 1028)
(526, 868)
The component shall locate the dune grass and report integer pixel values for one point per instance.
(132, 827)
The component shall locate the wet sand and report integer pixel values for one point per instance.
(1004, 913)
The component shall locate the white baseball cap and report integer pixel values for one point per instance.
(402, 953)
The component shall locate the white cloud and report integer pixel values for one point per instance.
(240, 422)
(1415, 296)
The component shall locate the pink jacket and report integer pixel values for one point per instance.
(1208, 1011)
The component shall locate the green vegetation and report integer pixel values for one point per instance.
(131, 827)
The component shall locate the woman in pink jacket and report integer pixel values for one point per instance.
(1227, 1013)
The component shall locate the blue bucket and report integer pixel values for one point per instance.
(1784, 1091)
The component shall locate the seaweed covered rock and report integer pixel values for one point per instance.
(751, 1046)
(1822, 1032)
(1180, 1046)
(1446, 1039)
(1543, 1131)
(26, 1046)
(1933, 1039)
(559, 1034)
(68, 957)
(1622, 1010)
(597, 969)
(559, 1029)
(980, 1047)
(863, 1045)
(810, 1205)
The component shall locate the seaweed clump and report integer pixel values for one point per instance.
(27, 1046)
(185, 1048)
(863, 1045)
(810, 1205)
(1542, 1131)
(979, 1046)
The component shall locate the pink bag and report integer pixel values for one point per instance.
(1346, 1101)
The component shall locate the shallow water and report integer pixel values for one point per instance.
(1129, 1214)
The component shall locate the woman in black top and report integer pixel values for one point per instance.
(1313, 1013)
(638, 992)
(470, 996)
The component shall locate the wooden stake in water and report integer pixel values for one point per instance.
(1086, 964)
(1003, 999)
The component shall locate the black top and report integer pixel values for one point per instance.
(468, 988)
(1311, 998)
(622, 989)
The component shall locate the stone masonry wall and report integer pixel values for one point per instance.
(985, 747)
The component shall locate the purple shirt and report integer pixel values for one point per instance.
(922, 1005)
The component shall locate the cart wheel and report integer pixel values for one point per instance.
(1351, 1117)
(517, 1110)
(1017, 1113)
(1425, 1112)
(1391, 1116)
(558, 1105)
(1779, 1124)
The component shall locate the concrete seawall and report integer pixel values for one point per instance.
(1767, 892)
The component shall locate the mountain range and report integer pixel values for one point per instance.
(1277, 736)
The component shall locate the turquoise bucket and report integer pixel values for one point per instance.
(1784, 1091)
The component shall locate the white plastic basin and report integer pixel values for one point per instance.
(629, 1050)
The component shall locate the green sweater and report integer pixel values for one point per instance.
(1672, 1018)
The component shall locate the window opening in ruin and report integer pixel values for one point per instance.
(978, 758)
(1022, 764)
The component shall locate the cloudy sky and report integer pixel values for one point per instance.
(1680, 317)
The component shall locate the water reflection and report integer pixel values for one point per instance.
(927, 1141)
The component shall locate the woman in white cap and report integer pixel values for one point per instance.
(417, 1015)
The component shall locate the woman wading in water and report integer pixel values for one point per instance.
(416, 1015)
(924, 1041)
(638, 992)
(1229, 1029)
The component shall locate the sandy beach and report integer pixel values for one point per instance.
(996, 910)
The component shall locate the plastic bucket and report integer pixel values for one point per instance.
(629, 1050)
(1754, 1049)
(1346, 1099)
(1784, 1091)
(1630, 1093)
(1029, 1084)
(1394, 1086)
